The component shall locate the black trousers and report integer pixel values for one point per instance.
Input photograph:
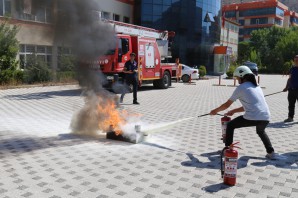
(241, 122)
(292, 97)
(127, 83)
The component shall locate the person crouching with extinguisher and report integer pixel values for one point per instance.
(254, 106)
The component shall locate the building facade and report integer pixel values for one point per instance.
(228, 48)
(196, 24)
(264, 14)
(36, 21)
(229, 35)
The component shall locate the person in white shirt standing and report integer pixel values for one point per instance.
(254, 106)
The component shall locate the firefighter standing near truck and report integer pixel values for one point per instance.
(130, 71)
(253, 104)
(292, 88)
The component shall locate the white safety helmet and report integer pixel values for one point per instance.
(242, 71)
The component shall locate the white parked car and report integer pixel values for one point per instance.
(187, 71)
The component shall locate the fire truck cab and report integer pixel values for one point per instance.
(151, 49)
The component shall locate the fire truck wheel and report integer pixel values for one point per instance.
(185, 78)
(163, 83)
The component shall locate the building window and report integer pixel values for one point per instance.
(42, 13)
(105, 15)
(230, 14)
(126, 19)
(294, 20)
(258, 12)
(27, 52)
(65, 59)
(241, 22)
(5, 7)
(257, 21)
(116, 17)
(280, 12)
(278, 22)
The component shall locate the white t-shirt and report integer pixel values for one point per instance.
(252, 100)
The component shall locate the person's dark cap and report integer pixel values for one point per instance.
(133, 54)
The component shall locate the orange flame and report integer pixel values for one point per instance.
(110, 117)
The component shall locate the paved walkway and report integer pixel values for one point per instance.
(39, 158)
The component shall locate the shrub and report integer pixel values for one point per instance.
(230, 71)
(66, 63)
(202, 71)
(6, 76)
(18, 76)
(37, 70)
(66, 76)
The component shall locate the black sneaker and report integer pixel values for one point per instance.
(135, 102)
(289, 120)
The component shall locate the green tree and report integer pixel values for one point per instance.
(273, 47)
(8, 52)
(244, 49)
(287, 66)
(287, 47)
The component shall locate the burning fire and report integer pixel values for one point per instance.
(112, 118)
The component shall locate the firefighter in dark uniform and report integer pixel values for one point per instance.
(130, 71)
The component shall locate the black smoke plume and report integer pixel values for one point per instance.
(77, 25)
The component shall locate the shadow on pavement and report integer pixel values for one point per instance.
(44, 95)
(281, 124)
(216, 187)
(159, 146)
(213, 157)
(19, 145)
(285, 160)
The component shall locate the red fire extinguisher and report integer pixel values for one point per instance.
(224, 122)
(229, 171)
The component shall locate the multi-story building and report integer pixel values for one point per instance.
(264, 14)
(196, 24)
(36, 19)
(290, 3)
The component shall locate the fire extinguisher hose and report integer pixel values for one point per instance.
(209, 114)
(273, 93)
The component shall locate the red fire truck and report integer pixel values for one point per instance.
(152, 51)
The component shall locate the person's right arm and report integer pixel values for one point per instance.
(237, 110)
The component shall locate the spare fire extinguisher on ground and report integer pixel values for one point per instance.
(229, 167)
(224, 122)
